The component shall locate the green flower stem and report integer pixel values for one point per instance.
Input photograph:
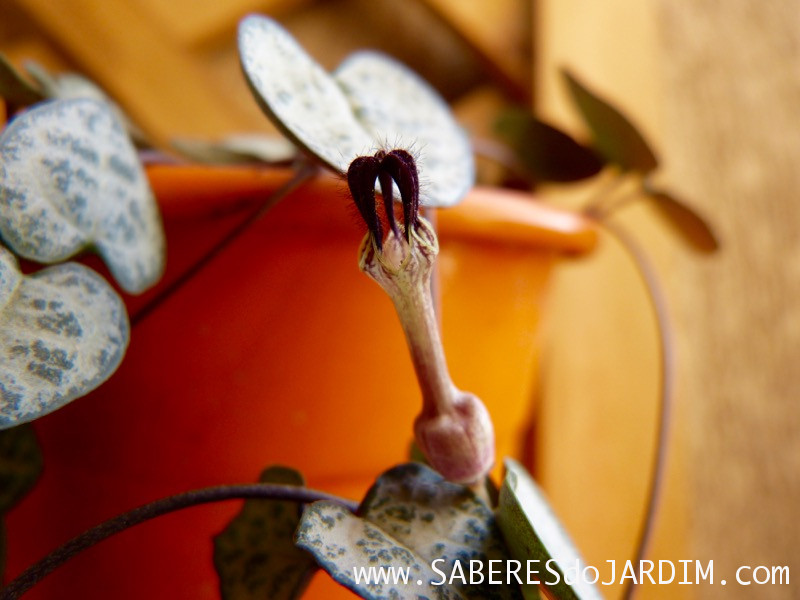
(89, 538)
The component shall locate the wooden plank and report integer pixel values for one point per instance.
(192, 22)
(164, 88)
(499, 31)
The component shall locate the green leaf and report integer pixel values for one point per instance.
(237, 149)
(20, 465)
(71, 179)
(614, 136)
(685, 221)
(533, 532)
(410, 518)
(255, 556)
(398, 107)
(548, 153)
(16, 89)
(299, 96)
(63, 331)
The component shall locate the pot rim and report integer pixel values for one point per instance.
(487, 215)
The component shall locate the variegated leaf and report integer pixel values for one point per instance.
(63, 331)
(69, 179)
(533, 533)
(255, 556)
(413, 519)
(299, 96)
(399, 109)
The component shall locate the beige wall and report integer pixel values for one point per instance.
(716, 86)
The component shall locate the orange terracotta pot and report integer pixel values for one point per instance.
(279, 351)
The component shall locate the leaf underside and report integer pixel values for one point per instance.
(533, 532)
(255, 555)
(63, 331)
(410, 518)
(71, 179)
(546, 152)
(615, 137)
(685, 221)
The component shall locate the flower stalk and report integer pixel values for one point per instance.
(454, 429)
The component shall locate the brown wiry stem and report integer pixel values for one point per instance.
(89, 538)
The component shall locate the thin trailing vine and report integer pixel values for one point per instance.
(89, 538)
(306, 171)
(657, 300)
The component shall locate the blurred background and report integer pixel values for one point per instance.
(714, 85)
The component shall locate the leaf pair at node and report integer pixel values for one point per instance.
(370, 101)
(411, 519)
(70, 180)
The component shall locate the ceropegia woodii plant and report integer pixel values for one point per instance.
(379, 124)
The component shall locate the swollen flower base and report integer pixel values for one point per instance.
(454, 429)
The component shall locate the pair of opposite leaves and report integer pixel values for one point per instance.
(70, 179)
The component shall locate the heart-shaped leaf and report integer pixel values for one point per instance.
(299, 96)
(533, 533)
(238, 149)
(548, 153)
(685, 221)
(398, 108)
(63, 331)
(16, 89)
(371, 102)
(424, 528)
(70, 178)
(614, 136)
(255, 556)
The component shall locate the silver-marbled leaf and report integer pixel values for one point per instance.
(400, 110)
(70, 179)
(533, 532)
(63, 331)
(410, 518)
(298, 95)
